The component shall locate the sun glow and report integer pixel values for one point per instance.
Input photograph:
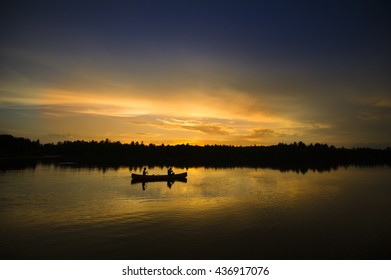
(196, 117)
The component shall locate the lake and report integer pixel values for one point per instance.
(70, 212)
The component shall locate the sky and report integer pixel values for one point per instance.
(197, 72)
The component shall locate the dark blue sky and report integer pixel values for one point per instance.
(307, 27)
(324, 63)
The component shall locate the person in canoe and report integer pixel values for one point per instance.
(145, 172)
(170, 172)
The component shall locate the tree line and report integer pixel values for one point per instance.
(296, 156)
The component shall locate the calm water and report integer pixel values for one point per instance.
(78, 213)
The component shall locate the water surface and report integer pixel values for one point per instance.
(66, 212)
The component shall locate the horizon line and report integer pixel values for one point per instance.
(141, 143)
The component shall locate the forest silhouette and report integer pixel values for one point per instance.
(18, 152)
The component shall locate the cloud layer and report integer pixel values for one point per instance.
(238, 73)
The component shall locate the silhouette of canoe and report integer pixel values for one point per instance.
(156, 178)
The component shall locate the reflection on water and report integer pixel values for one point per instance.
(240, 213)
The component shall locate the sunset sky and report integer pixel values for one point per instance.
(198, 72)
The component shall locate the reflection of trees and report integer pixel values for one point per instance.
(297, 157)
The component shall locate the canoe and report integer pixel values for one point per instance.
(156, 178)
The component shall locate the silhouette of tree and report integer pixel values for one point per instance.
(298, 157)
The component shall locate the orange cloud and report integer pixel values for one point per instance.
(207, 127)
